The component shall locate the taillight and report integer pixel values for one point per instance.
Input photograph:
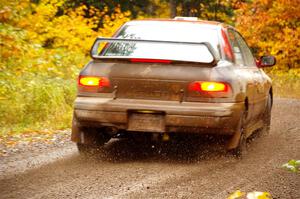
(200, 86)
(94, 81)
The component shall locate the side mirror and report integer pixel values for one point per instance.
(266, 61)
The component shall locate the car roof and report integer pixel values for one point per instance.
(202, 22)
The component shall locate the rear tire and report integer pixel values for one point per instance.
(267, 117)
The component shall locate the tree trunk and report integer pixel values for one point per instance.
(186, 9)
(173, 11)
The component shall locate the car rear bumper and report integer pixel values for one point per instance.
(178, 117)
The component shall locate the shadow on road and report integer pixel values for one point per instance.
(181, 150)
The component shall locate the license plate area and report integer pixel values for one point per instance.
(146, 122)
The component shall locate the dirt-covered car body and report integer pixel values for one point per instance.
(166, 87)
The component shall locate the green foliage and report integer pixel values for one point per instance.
(42, 51)
(36, 89)
(36, 100)
(292, 165)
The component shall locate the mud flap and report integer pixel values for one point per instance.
(235, 139)
(75, 134)
(79, 136)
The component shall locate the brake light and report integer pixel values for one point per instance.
(208, 86)
(94, 81)
(150, 60)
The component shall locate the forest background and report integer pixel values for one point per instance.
(44, 44)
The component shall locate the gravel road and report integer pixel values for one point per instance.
(197, 169)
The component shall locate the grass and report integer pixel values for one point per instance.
(286, 86)
(34, 103)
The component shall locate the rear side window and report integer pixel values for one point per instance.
(237, 51)
(247, 54)
(242, 53)
(165, 31)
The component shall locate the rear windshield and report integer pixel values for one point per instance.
(184, 32)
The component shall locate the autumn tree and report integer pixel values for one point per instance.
(136, 7)
(272, 27)
(43, 44)
(204, 9)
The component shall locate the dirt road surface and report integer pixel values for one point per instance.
(197, 169)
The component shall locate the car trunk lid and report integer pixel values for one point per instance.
(154, 81)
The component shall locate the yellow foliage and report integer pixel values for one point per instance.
(251, 195)
(71, 30)
(113, 22)
(237, 194)
(43, 46)
(46, 42)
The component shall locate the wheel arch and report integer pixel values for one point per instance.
(271, 94)
(246, 101)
